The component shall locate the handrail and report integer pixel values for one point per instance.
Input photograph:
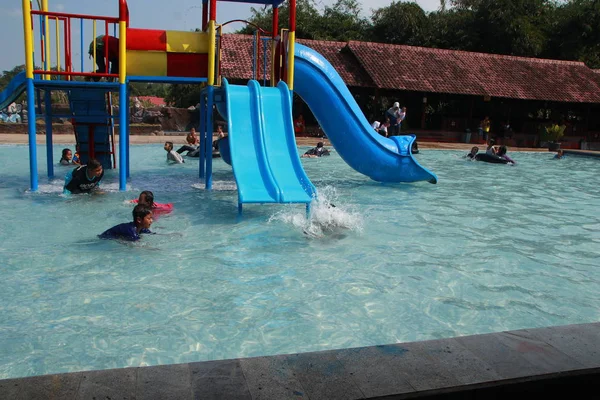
(247, 23)
(112, 20)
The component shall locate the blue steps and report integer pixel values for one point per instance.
(93, 124)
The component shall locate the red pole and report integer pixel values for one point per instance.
(275, 21)
(204, 15)
(292, 15)
(213, 10)
(106, 46)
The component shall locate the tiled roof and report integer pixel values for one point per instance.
(155, 101)
(420, 69)
(451, 71)
(237, 54)
(342, 60)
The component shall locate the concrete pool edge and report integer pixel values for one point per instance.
(435, 367)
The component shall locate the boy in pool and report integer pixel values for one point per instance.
(315, 152)
(473, 153)
(84, 179)
(172, 155)
(142, 220)
(559, 155)
(66, 157)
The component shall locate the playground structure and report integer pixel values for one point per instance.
(261, 145)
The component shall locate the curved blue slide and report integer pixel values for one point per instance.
(264, 155)
(13, 90)
(366, 151)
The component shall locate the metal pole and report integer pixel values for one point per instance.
(203, 137)
(49, 156)
(209, 124)
(81, 35)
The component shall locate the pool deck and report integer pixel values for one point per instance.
(15, 138)
(586, 153)
(544, 361)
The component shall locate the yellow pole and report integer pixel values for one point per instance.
(57, 44)
(94, 56)
(46, 39)
(122, 52)
(291, 49)
(212, 37)
(28, 39)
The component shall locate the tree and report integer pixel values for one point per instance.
(7, 76)
(400, 23)
(307, 19)
(575, 32)
(343, 22)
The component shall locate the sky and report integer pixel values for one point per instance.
(150, 14)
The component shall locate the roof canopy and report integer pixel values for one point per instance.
(274, 3)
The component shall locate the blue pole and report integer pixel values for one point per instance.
(49, 156)
(122, 137)
(202, 129)
(81, 35)
(33, 173)
(128, 129)
(209, 124)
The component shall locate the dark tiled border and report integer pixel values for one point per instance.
(436, 367)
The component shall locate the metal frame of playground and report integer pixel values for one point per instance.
(48, 80)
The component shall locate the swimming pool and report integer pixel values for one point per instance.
(490, 248)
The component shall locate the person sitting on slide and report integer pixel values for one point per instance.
(84, 179)
(473, 153)
(147, 199)
(142, 220)
(315, 152)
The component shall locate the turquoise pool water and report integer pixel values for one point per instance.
(490, 248)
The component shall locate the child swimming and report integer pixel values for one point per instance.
(142, 220)
(147, 199)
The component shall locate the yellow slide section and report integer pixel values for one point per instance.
(187, 42)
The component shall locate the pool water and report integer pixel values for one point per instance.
(490, 248)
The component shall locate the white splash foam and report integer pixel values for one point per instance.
(219, 186)
(327, 216)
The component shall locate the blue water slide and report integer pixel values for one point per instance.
(264, 155)
(13, 90)
(366, 151)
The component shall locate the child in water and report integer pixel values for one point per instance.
(66, 157)
(142, 220)
(560, 154)
(473, 153)
(147, 199)
(315, 152)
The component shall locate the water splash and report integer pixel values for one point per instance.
(328, 216)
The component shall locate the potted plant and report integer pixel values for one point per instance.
(551, 135)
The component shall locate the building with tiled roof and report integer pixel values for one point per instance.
(505, 87)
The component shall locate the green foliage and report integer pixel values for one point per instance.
(7, 76)
(553, 132)
(400, 23)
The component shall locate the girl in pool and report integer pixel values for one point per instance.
(66, 157)
(147, 198)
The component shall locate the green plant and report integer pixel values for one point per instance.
(554, 132)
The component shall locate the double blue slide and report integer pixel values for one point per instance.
(262, 147)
